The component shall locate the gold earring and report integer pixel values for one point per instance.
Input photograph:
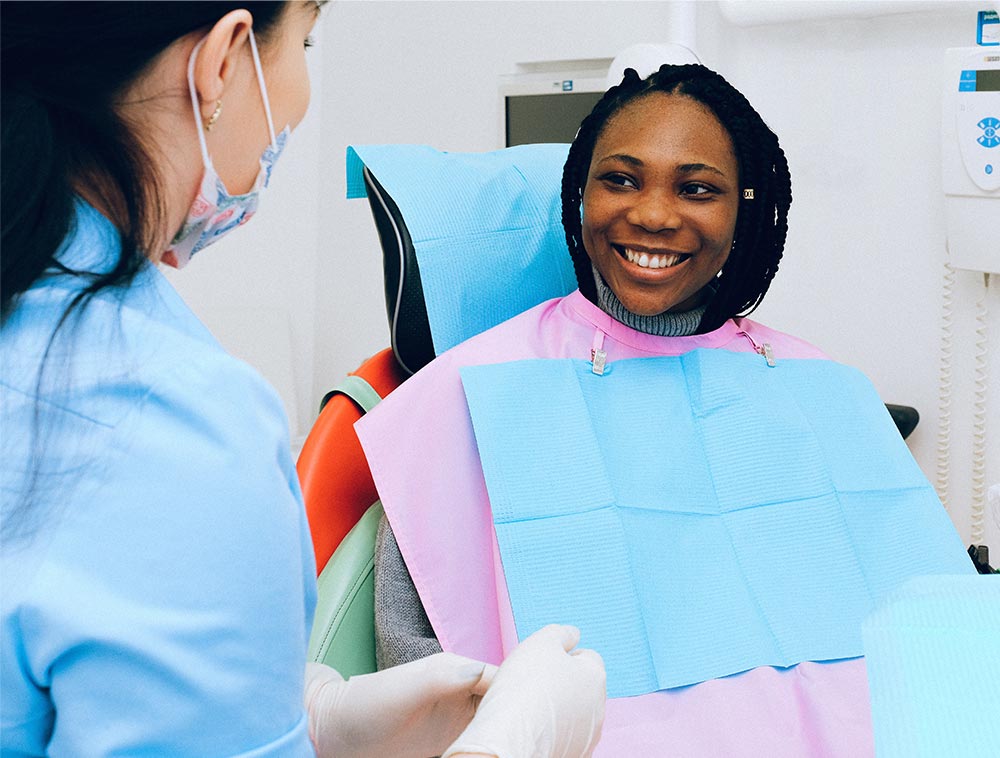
(214, 117)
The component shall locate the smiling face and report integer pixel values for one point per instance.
(660, 202)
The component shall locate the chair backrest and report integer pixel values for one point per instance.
(409, 329)
(336, 484)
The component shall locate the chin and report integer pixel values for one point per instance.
(647, 308)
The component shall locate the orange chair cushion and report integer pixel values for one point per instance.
(336, 483)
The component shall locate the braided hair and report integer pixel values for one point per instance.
(762, 222)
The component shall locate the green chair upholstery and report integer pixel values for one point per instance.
(343, 633)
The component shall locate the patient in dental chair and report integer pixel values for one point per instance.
(640, 459)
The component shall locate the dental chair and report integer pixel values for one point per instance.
(507, 200)
(341, 502)
(343, 511)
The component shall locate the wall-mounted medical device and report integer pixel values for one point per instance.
(546, 101)
(970, 129)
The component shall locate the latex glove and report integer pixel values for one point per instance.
(545, 701)
(414, 710)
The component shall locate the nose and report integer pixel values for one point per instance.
(655, 211)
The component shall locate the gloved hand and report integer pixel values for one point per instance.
(414, 710)
(545, 702)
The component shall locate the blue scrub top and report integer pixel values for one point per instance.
(158, 589)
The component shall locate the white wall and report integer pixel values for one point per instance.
(855, 101)
(857, 105)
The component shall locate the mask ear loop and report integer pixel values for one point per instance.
(263, 90)
(196, 105)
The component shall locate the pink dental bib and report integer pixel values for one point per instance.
(422, 450)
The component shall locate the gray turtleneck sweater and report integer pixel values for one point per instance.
(661, 325)
(402, 631)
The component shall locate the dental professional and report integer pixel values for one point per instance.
(158, 581)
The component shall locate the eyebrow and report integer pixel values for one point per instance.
(690, 168)
(624, 158)
(684, 168)
(318, 6)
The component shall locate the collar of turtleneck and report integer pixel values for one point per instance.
(661, 325)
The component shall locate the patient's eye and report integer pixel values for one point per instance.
(699, 190)
(616, 179)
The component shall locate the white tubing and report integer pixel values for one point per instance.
(978, 508)
(944, 390)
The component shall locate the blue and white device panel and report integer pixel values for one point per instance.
(970, 153)
(975, 77)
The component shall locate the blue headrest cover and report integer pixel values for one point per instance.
(486, 229)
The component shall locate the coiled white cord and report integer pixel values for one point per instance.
(944, 390)
(978, 509)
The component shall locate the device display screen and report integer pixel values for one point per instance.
(547, 118)
(988, 81)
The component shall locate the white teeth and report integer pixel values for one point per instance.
(645, 260)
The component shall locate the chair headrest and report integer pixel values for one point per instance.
(468, 239)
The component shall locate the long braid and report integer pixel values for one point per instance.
(575, 174)
(762, 223)
(572, 198)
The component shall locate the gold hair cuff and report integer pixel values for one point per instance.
(747, 193)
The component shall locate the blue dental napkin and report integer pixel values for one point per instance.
(701, 515)
(486, 229)
(932, 651)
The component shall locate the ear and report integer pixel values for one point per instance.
(217, 58)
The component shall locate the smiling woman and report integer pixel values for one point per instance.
(660, 203)
(623, 460)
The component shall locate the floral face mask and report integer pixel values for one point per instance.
(214, 212)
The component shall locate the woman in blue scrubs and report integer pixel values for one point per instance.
(158, 583)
